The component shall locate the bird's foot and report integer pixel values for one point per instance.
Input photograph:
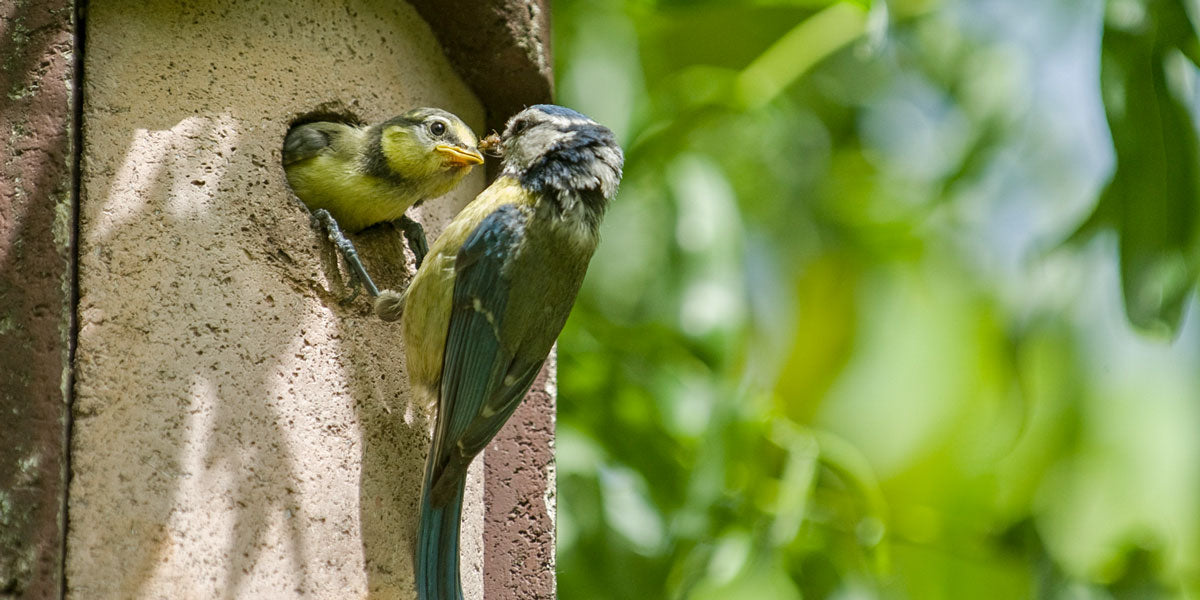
(415, 234)
(358, 273)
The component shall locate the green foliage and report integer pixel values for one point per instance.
(1151, 199)
(833, 346)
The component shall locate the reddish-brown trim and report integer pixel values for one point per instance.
(518, 545)
(39, 59)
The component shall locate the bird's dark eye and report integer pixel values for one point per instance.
(437, 128)
(520, 126)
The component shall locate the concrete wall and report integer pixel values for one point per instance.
(237, 431)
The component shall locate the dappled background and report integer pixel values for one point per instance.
(894, 302)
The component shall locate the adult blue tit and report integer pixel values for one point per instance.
(484, 309)
(357, 176)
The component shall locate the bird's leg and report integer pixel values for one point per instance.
(358, 273)
(415, 234)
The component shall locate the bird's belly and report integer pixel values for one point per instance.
(356, 201)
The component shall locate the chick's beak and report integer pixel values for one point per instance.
(458, 157)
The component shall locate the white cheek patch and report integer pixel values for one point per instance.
(560, 120)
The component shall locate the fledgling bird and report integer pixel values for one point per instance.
(485, 308)
(357, 176)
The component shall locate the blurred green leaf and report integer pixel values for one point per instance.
(751, 582)
(822, 351)
(1154, 194)
(798, 50)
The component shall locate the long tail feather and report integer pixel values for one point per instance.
(437, 546)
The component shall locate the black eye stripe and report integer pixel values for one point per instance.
(521, 126)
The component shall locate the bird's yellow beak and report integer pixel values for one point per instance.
(458, 157)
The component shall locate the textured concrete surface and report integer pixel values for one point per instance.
(501, 48)
(239, 433)
(37, 64)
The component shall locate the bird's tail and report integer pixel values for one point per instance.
(437, 545)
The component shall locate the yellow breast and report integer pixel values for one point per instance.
(356, 200)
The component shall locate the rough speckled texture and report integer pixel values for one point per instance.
(520, 499)
(501, 47)
(238, 432)
(37, 49)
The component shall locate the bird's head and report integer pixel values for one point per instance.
(426, 142)
(559, 152)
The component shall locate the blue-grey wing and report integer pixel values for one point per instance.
(500, 406)
(477, 392)
(308, 140)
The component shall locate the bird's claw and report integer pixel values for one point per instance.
(358, 273)
(415, 234)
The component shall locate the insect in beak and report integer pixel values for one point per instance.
(490, 145)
